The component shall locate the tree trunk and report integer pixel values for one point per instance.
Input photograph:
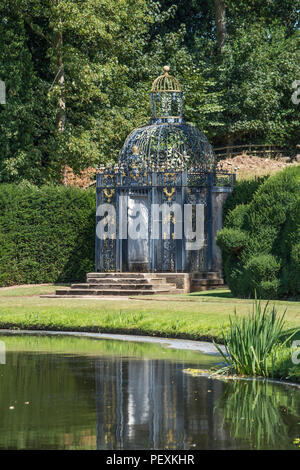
(220, 14)
(229, 145)
(61, 111)
(58, 53)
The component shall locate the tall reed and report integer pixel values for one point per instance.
(251, 339)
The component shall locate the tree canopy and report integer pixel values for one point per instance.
(78, 74)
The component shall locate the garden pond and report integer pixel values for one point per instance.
(68, 392)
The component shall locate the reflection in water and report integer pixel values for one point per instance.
(128, 399)
(263, 414)
(153, 404)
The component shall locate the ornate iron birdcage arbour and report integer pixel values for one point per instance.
(168, 141)
(167, 162)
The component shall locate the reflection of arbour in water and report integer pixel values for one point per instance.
(260, 413)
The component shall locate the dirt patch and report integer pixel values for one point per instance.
(82, 180)
(246, 166)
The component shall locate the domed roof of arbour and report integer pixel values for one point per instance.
(168, 142)
(176, 145)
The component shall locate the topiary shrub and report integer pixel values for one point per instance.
(290, 247)
(261, 275)
(237, 217)
(260, 241)
(243, 193)
(232, 240)
(46, 234)
(262, 268)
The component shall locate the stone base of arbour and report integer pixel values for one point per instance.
(131, 284)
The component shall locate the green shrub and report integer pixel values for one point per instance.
(235, 277)
(260, 241)
(259, 275)
(268, 289)
(232, 240)
(46, 234)
(243, 193)
(237, 217)
(262, 268)
(290, 247)
(281, 363)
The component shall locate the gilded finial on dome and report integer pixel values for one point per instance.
(166, 82)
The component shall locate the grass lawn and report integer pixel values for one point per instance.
(195, 316)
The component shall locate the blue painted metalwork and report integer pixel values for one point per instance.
(183, 187)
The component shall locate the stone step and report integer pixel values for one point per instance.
(121, 280)
(122, 286)
(117, 280)
(108, 292)
(71, 296)
(116, 275)
(159, 280)
(135, 284)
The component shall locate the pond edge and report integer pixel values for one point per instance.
(204, 347)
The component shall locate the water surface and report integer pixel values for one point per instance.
(78, 393)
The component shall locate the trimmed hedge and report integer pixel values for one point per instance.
(47, 234)
(260, 241)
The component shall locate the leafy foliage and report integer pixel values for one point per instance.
(259, 66)
(251, 339)
(90, 64)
